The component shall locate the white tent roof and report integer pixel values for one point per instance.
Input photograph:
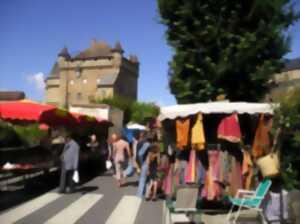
(136, 126)
(184, 110)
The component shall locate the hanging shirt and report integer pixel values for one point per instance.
(182, 132)
(247, 170)
(261, 140)
(192, 167)
(229, 129)
(198, 137)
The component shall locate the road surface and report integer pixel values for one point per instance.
(98, 201)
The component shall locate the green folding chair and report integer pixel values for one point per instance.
(249, 200)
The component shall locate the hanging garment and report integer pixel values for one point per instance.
(201, 174)
(235, 177)
(229, 129)
(198, 137)
(261, 141)
(167, 184)
(212, 189)
(247, 170)
(182, 132)
(192, 167)
(224, 167)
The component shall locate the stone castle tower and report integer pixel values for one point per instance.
(95, 73)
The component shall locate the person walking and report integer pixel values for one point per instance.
(69, 164)
(120, 147)
(110, 141)
(142, 155)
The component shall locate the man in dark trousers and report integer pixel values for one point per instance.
(69, 164)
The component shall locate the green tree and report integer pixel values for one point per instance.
(141, 112)
(287, 118)
(119, 102)
(225, 47)
(133, 110)
(8, 136)
(30, 134)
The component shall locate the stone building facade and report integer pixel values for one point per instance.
(11, 96)
(287, 80)
(95, 73)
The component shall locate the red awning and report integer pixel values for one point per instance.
(89, 120)
(29, 111)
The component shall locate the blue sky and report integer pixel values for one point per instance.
(33, 31)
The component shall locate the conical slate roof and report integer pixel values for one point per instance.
(64, 53)
(118, 48)
(96, 50)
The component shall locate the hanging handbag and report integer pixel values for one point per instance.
(269, 165)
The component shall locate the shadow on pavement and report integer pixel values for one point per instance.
(131, 183)
(86, 189)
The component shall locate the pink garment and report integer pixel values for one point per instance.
(119, 148)
(212, 189)
(229, 129)
(235, 177)
(168, 181)
(192, 168)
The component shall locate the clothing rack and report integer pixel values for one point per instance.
(213, 146)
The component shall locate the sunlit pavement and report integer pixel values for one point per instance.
(97, 201)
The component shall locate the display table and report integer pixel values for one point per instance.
(23, 173)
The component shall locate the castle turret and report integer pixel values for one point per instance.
(64, 54)
(118, 48)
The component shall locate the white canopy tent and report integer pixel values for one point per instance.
(136, 126)
(184, 110)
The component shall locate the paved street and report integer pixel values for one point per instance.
(98, 201)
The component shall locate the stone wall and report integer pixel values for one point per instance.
(284, 83)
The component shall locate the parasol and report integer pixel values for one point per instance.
(30, 111)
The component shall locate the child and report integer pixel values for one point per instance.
(153, 162)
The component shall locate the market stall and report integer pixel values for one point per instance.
(44, 155)
(215, 145)
(26, 111)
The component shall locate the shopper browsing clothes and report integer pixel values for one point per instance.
(69, 164)
(120, 147)
(95, 150)
(93, 144)
(153, 163)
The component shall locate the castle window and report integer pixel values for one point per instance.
(78, 96)
(72, 82)
(84, 81)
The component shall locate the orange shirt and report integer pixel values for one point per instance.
(182, 132)
(261, 142)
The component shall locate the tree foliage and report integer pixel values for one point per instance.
(141, 112)
(225, 47)
(133, 110)
(287, 118)
(20, 135)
